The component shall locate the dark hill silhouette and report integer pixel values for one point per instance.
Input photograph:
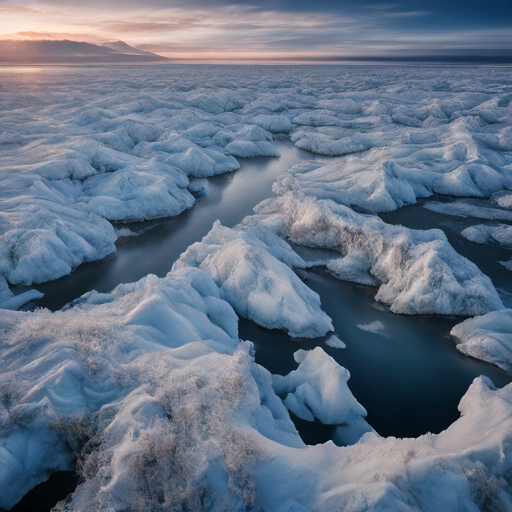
(73, 52)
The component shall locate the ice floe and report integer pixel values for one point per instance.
(318, 389)
(253, 269)
(334, 342)
(487, 337)
(418, 271)
(483, 234)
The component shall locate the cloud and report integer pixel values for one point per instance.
(268, 28)
(405, 14)
(52, 36)
(17, 9)
(144, 26)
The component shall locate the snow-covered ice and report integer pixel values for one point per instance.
(318, 389)
(418, 271)
(121, 147)
(253, 269)
(483, 234)
(487, 337)
(149, 385)
(168, 410)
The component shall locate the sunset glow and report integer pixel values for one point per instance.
(273, 31)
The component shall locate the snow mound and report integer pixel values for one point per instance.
(44, 239)
(487, 337)
(419, 272)
(133, 195)
(252, 269)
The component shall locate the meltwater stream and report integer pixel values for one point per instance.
(410, 379)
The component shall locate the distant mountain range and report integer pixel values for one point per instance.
(72, 52)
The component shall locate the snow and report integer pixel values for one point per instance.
(252, 269)
(126, 196)
(150, 383)
(59, 368)
(174, 409)
(418, 271)
(43, 239)
(487, 337)
(122, 147)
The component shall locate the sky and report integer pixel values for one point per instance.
(271, 30)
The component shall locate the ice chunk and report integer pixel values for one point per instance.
(133, 195)
(378, 187)
(419, 271)
(483, 234)
(318, 389)
(45, 240)
(252, 269)
(334, 342)
(487, 337)
(375, 327)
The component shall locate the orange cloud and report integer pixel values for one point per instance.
(52, 36)
(147, 26)
(17, 9)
